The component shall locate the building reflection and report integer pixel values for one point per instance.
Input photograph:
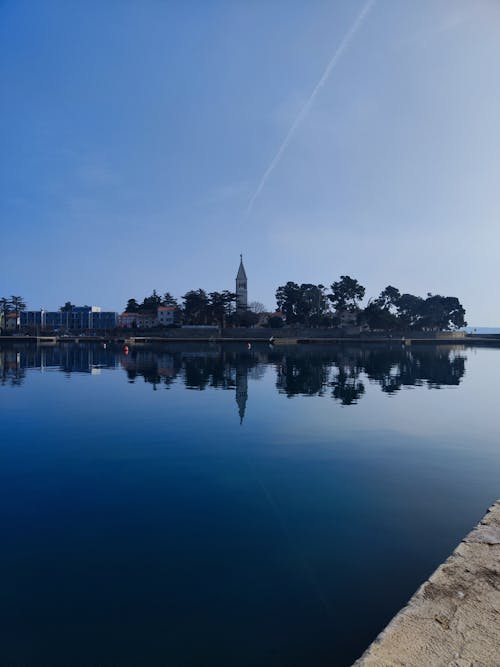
(341, 372)
(15, 360)
(12, 371)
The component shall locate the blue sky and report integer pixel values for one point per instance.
(134, 134)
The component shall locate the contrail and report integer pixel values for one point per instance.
(307, 106)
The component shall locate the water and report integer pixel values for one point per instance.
(198, 505)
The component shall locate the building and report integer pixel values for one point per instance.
(32, 318)
(104, 319)
(142, 320)
(166, 315)
(12, 322)
(145, 320)
(241, 288)
(127, 320)
(77, 318)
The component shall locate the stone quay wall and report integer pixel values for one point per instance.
(453, 620)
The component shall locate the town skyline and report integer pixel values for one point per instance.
(306, 304)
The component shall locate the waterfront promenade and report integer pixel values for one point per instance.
(454, 617)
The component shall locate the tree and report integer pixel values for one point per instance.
(220, 306)
(132, 306)
(346, 294)
(388, 298)
(257, 307)
(5, 309)
(18, 305)
(304, 304)
(380, 313)
(409, 309)
(151, 302)
(169, 300)
(311, 304)
(287, 298)
(442, 313)
(68, 307)
(379, 317)
(196, 307)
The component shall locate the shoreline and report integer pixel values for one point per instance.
(468, 339)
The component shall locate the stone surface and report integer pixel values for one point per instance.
(453, 619)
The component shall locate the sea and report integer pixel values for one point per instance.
(190, 505)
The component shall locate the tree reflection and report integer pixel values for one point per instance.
(307, 375)
(345, 369)
(339, 371)
(347, 387)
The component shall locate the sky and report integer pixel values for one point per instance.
(146, 144)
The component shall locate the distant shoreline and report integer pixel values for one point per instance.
(278, 337)
(482, 330)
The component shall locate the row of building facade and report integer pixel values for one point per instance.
(78, 317)
(85, 318)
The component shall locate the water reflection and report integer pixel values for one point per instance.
(341, 372)
(15, 359)
(12, 372)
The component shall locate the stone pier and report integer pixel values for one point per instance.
(453, 619)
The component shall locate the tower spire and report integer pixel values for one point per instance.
(241, 287)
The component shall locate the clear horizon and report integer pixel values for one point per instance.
(146, 145)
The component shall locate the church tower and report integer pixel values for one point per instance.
(241, 288)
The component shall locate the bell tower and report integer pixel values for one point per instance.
(241, 288)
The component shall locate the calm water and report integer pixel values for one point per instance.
(198, 505)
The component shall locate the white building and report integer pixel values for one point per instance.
(166, 315)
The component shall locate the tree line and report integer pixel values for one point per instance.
(199, 307)
(313, 305)
(306, 305)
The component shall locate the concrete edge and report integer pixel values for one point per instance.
(454, 616)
